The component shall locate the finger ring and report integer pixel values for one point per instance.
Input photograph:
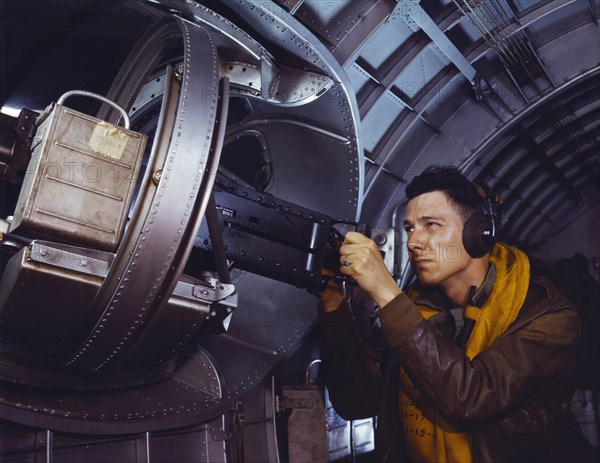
(346, 263)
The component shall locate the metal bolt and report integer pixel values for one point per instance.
(157, 176)
(380, 239)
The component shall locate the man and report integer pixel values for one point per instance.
(477, 358)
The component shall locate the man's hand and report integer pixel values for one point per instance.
(361, 260)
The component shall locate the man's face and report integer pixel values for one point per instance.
(435, 246)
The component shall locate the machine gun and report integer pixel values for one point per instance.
(262, 234)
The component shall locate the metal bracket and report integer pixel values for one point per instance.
(81, 260)
(245, 75)
(386, 241)
(417, 18)
(220, 435)
(214, 291)
(216, 298)
(20, 156)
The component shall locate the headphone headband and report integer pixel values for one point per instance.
(485, 192)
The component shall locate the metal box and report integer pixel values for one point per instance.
(46, 291)
(80, 181)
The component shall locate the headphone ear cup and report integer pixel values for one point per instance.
(476, 241)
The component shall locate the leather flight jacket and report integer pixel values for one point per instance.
(513, 399)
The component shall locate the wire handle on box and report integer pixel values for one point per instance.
(126, 121)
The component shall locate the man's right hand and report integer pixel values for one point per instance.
(333, 295)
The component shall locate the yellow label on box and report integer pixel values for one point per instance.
(109, 140)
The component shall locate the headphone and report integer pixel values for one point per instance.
(481, 230)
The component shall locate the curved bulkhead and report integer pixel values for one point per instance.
(157, 273)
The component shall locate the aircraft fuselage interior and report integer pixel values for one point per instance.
(175, 175)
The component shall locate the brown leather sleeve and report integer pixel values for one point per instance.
(536, 352)
(352, 370)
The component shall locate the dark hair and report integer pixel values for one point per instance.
(459, 190)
